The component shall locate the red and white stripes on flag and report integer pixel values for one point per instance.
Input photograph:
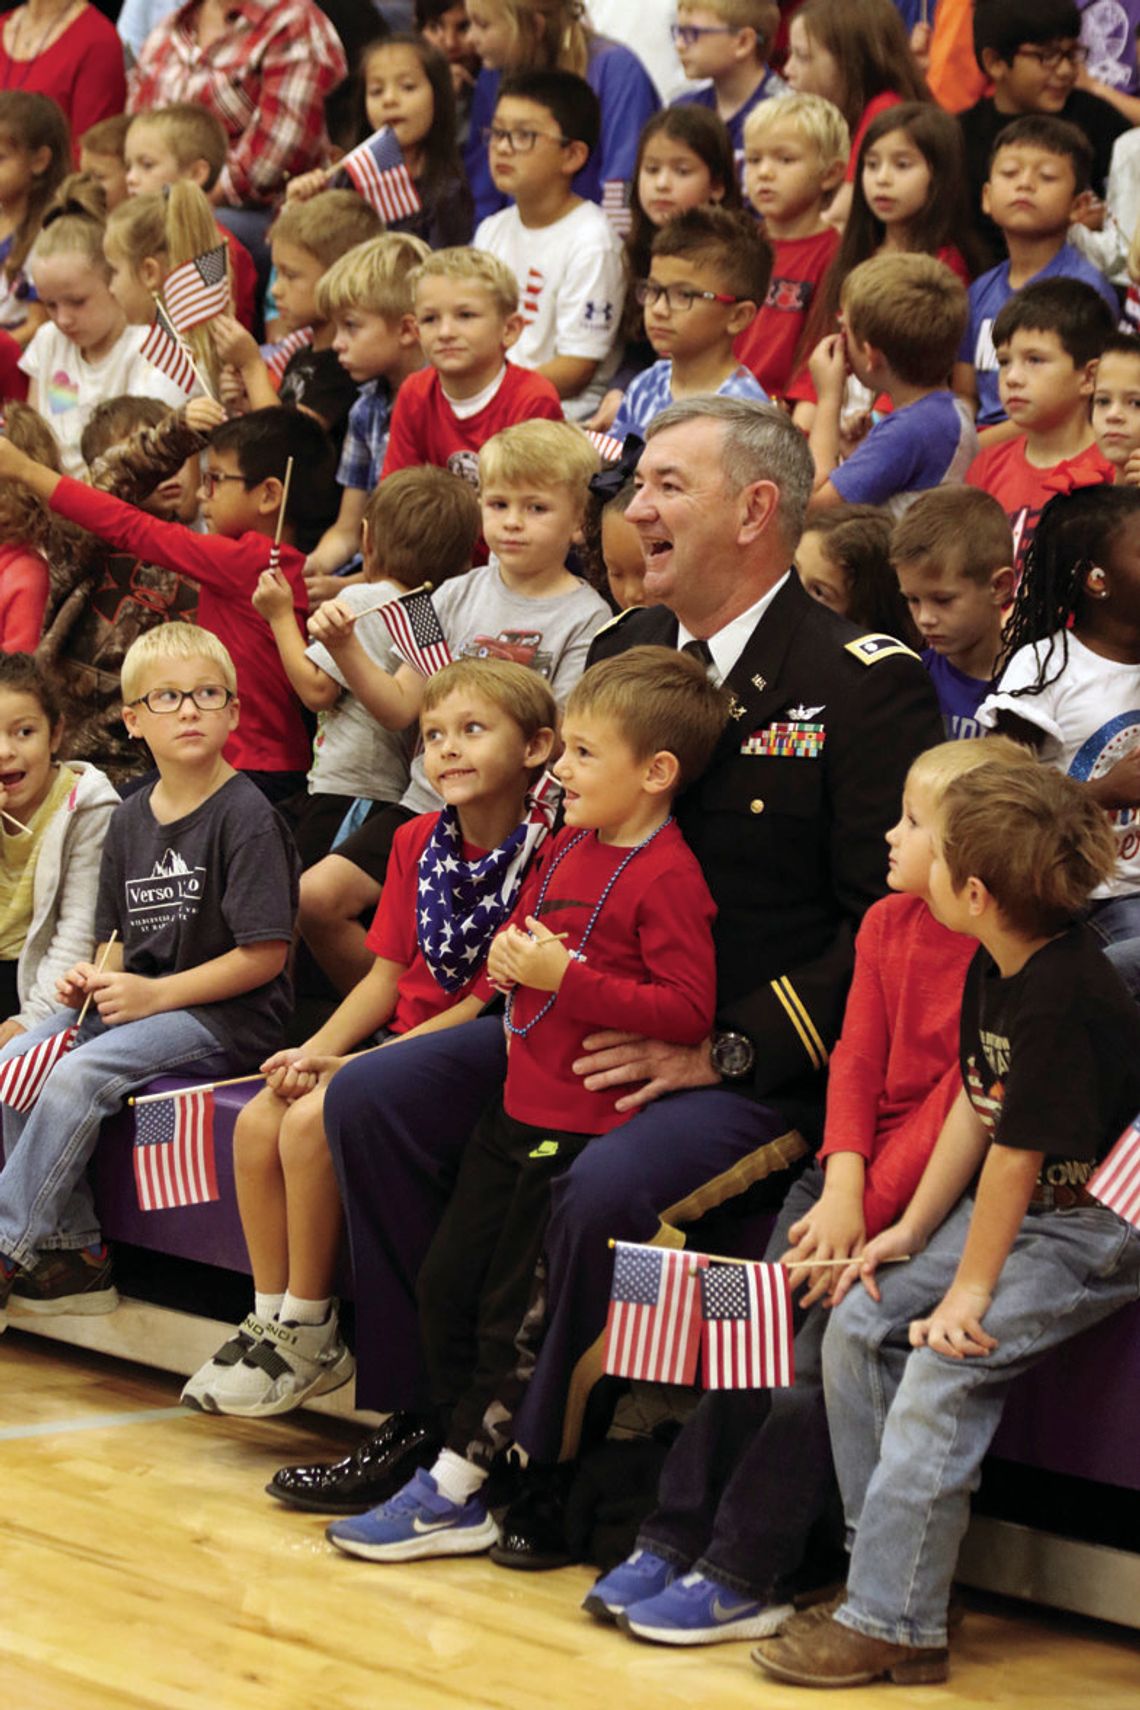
(1117, 1182)
(653, 1328)
(198, 290)
(607, 447)
(615, 205)
(164, 350)
(376, 168)
(22, 1078)
(278, 356)
(174, 1152)
(412, 623)
(748, 1326)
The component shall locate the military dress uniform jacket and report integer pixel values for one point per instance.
(789, 819)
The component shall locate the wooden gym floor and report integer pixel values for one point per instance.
(142, 1568)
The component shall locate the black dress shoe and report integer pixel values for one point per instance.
(374, 1471)
(533, 1532)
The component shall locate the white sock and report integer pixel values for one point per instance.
(295, 1310)
(267, 1306)
(456, 1478)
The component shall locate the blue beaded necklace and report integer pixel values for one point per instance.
(521, 1032)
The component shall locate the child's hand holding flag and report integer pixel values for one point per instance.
(273, 596)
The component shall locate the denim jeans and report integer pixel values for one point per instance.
(1116, 922)
(910, 1428)
(45, 1201)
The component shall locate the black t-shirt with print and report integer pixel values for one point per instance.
(1051, 1056)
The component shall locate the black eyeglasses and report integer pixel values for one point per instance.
(211, 478)
(688, 35)
(518, 139)
(211, 697)
(678, 298)
(1050, 58)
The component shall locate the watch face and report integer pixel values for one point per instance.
(732, 1054)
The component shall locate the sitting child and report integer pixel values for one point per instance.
(196, 982)
(487, 728)
(728, 42)
(750, 1476)
(102, 156)
(637, 729)
(1115, 412)
(903, 320)
(708, 275)
(1009, 1255)
(953, 555)
(611, 546)
(843, 560)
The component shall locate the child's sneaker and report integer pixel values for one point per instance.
(73, 1279)
(696, 1610)
(198, 1391)
(417, 1522)
(284, 1368)
(641, 1576)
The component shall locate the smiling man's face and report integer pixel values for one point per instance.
(685, 512)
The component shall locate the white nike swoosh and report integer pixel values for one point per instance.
(429, 1525)
(731, 1611)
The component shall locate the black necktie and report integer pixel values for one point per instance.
(700, 650)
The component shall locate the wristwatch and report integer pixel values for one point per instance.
(733, 1054)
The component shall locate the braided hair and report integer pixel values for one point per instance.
(1075, 532)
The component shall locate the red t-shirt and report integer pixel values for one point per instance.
(649, 968)
(1023, 490)
(425, 428)
(768, 344)
(243, 277)
(393, 930)
(894, 1073)
(23, 596)
(271, 736)
(878, 104)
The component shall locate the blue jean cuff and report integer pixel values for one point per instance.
(734, 1582)
(665, 1551)
(901, 1632)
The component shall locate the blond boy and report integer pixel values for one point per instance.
(102, 155)
(728, 42)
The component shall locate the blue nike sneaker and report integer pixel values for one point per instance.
(643, 1575)
(418, 1521)
(696, 1610)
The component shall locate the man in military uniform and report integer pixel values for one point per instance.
(788, 825)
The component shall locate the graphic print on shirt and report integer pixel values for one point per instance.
(520, 646)
(465, 464)
(791, 296)
(531, 294)
(987, 1091)
(171, 891)
(1096, 756)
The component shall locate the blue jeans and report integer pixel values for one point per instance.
(45, 1200)
(1116, 922)
(910, 1428)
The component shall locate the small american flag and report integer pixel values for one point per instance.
(748, 1326)
(165, 351)
(653, 1330)
(1117, 1182)
(22, 1078)
(278, 355)
(174, 1152)
(198, 290)
(412, 623)
(608, 448)
(376, 167)
(615, 205)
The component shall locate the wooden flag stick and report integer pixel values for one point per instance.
(424, 588)
(801, 1265)
(285, 485)
(98, 970)
(12, 820)
(185, 1092)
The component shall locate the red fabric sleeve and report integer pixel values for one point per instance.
(99, 89)
(404, 451)
(392, 934)
(23, 597)
(859, 1060)
(243, 278)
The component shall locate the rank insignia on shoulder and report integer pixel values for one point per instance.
(869, 649)
(613, 622)
(789, 741)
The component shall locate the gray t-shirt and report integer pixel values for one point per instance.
(483, 619)
(181, 894)
(353, 755)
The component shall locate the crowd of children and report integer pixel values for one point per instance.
(243, 825)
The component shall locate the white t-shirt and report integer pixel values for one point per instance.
(68, 388)
(1091, 719)
(571, 280)
(353, 755)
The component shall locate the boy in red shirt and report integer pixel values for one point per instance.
(628, 945)
(1048, 339)
(795, 151)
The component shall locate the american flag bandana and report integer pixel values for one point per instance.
(462, 904)
(748, 1326)
(376, 168)
(22, 1078)
(174, 1152)
(164, 350)
(198, 290)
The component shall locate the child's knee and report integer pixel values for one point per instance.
(257, 1128)
(301, 1140)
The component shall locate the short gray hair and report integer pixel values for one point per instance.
(761, 443)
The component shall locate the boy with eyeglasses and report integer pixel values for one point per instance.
(1032, 53)
(728, 41)
(708, 276)
(197, 894)
(561, 249)
(243, 495)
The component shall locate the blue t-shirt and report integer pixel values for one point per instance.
(989, 295)
(959, 696)
(628, 98)
(652, 391)
(770, 84)
(924, 444)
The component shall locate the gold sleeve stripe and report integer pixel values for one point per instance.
(801, 1021)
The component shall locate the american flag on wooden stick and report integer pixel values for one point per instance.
(278, 356)
(174, 1152)
(198, 290)
(412, 623)
(165, 351)
(653, 1329)
(376, 168)
(748, 1326)
(22, 1078)
(1117, 1182)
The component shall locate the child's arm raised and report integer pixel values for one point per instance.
(828, 368)
(394, 700)
(273, 599)
(133, 470)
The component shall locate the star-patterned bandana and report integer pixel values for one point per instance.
(462, 904)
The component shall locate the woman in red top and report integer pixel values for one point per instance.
(68, 51)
